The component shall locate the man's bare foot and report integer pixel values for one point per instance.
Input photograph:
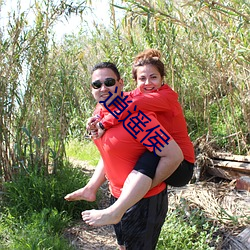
(101, 217)
(84, 193)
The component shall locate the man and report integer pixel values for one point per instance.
(141, 224)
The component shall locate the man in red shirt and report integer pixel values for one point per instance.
(120, 149)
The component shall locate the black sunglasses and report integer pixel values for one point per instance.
(108, 82)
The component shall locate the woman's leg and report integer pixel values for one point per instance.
(182, 175)
(147, 165)
(136, 186)
(88, 192)
(134, 189)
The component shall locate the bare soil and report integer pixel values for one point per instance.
(85, 237)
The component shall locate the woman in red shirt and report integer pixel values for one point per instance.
(148, 71)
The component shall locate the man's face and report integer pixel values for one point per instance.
(102, 93)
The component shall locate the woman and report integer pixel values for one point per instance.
(148, 71)
(153, 95)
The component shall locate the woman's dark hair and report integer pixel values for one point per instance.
(149, 56)
(107, 65)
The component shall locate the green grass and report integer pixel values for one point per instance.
(187, 232)
(33, 212)
(41, 231)
(84, 151)
(46, 192)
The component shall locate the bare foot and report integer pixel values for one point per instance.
(84, 193)
(101, 217)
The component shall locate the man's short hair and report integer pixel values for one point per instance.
(107, 65)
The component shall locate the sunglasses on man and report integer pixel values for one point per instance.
(108, 82)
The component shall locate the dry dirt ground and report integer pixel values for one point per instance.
(208, 196)
(86, 237)
(91, 238)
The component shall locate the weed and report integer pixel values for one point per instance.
(182, 232)
(28, 193)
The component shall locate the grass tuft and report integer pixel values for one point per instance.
(84, 151)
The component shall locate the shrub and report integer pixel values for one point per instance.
(182, 232)
(32, 192)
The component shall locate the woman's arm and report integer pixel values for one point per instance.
(164, 99)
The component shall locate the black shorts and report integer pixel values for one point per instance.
(140, 226)
(148, 162)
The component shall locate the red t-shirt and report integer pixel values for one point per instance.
(123, 144)
(164, 102)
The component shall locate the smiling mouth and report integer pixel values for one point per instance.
(104, 95)
(149, 89)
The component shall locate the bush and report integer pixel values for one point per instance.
(32, 192)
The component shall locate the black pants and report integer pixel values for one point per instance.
(141, 225)
(148, 162)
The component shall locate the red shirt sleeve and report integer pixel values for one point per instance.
(163, 99)
(160, 100)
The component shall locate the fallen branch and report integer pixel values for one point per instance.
(231, 157)
(242, 167)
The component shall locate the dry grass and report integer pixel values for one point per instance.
(227, 208)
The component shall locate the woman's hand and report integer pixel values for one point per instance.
(93, 126)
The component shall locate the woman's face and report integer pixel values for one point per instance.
(148, 78)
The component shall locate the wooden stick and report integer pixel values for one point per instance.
(231, 157)
(243, 167)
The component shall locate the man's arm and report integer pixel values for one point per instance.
(98, 178)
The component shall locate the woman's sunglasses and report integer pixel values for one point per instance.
(108, 82)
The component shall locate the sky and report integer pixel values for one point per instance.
(100, 15)
(72, 25)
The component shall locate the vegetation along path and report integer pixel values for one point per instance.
(211, 197)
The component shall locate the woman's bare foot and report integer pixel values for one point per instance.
(101, 217)
(84, 193)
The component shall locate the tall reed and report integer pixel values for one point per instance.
(36, 93)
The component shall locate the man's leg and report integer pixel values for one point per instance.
(134, 189)
(141, 224)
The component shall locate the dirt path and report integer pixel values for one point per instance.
(86, 237)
